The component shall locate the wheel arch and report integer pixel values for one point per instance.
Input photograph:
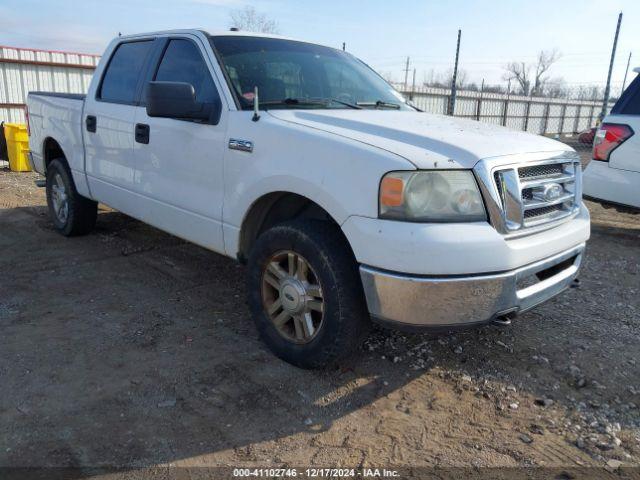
(277, 207)
(52, 150)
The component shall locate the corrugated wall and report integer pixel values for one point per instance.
(23, 70)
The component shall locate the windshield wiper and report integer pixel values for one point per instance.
(305, 101)
(294, 101)
(347, 104)
(379, 104)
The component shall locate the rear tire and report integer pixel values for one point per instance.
(71, 213)
(311, 319)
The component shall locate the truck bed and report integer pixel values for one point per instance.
(57, 116)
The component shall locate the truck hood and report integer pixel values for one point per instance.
(426, 140)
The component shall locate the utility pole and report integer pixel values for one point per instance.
(452, 103)
(505, 107)
(624, 82)
(406, 75)
(607, 89)
(413, 85)
(479, 102)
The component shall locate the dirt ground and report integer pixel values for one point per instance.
(131, 348)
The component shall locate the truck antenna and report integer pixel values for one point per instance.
(256, 105)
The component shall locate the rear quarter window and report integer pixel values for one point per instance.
(629, 102)
(120, 79)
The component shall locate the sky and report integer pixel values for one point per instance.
(383, 33)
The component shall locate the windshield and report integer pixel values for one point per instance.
(292, 74)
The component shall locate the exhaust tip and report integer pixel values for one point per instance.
(502, 321)
(504, 318)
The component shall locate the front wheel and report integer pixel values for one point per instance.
(72, 214)
(305, 293)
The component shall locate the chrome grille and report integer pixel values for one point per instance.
(533, 194)
(538, 171)
(539, 212)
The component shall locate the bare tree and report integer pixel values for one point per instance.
(249, 19)
(443, 79)
(520, 72)
(532, 78)
(556, 88)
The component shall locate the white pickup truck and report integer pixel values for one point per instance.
(347, 203)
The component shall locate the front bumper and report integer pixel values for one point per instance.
(451, 301)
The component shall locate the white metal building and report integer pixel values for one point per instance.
(23, 70)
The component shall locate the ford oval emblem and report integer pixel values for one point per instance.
(552, 191)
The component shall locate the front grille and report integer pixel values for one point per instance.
(532, 195)
(542, 211)
(537, 171)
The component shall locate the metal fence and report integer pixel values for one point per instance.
(23, 70)
(541, 115)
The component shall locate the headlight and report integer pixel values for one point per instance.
(431, 196)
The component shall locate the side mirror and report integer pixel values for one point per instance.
(178, 100)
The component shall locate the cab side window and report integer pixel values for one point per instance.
(182, 62)
(120, 79)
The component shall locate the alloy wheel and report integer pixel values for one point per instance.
(59, 199)
(292, 296)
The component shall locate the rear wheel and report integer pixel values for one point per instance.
(305, 293)
(71, 213)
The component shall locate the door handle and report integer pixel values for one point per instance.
(142, 133)
(91, 123)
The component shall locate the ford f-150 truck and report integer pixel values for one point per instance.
(346, 203)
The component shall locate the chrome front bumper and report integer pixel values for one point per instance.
(450, 301)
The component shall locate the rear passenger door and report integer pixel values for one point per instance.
(179, 162)
(108, 124)
(627, 112)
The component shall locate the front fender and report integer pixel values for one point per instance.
(341, 175)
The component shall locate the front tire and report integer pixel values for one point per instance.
(71, 213)
(305, 293)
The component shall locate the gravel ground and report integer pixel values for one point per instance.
(132, 348)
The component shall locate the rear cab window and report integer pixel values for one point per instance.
(120, 80)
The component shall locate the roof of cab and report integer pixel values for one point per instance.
(218, 33)
(212, 33)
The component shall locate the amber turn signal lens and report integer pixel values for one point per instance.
(391, 192)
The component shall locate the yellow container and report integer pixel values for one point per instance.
(17, 146)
